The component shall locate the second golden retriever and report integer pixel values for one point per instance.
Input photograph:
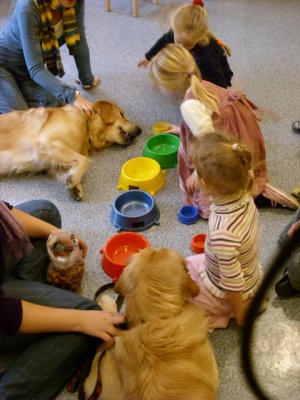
(165, 354)
(59, 140)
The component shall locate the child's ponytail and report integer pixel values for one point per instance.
(204, 95)
(224, 163)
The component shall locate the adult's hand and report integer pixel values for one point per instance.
(66, 240)
(97, 323)
(84, 105)
(101, 324)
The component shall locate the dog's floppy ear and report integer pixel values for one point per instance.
(192, 286)
(106, 111)
(125, 284)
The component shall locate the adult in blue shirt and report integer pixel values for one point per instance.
(30, 58)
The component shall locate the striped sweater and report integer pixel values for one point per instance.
(231, 259)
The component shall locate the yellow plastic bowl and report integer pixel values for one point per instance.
(142, 173)
(160, 127)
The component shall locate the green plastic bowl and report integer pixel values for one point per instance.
(162, 148)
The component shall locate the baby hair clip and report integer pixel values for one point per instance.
(235, 146)
(191, 73)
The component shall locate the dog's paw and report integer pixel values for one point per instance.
(70, 182)
(76, 193)
(107, 303)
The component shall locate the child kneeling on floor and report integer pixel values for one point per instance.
(229, 272)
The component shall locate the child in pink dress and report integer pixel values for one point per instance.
(207, 107)
(229, 272)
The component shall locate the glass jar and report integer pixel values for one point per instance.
(66, 267)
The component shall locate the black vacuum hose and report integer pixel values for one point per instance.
(278, 262)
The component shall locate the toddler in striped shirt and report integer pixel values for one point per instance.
(229, 272)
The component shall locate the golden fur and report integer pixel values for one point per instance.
(59, 140)
(165, 354)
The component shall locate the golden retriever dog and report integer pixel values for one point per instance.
(165, 354)
(59, 140)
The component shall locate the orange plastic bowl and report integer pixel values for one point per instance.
(198, 242)
(118, 249)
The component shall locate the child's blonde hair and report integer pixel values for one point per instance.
(191, 19)
(175, 69)
(223, 162)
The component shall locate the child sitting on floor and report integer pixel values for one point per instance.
(229, 272)
(207, 107)
(190, 30)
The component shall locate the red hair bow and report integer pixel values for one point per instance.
(198, 3)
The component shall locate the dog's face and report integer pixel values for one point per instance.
(156, 285)
(110, 125)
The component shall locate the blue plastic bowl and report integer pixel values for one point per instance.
(134, 210)
(188, 215)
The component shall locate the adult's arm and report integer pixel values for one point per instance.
(10, 314)
(37, 228)
(41, 319)
(29, 25)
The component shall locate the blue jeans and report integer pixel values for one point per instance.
(293, 266)
(21, 94)
(46, 361)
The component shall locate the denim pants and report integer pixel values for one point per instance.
(46, 361)
(293, 265)
(21, 94)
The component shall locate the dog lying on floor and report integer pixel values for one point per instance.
(59, 140)
(165, 354)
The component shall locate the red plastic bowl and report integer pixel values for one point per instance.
(118, 249)
(197, 243)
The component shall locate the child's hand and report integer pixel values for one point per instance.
(192, 183)
(240, 317)
(175, 129)
(143, 62)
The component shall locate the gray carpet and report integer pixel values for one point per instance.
(264, 38)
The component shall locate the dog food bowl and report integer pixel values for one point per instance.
(197, 243)
(142, 173)
(188, 215)
(134, 210)
(160, 126)
(118, 249)
(163, 148)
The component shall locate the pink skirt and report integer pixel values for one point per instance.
(218, 311)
